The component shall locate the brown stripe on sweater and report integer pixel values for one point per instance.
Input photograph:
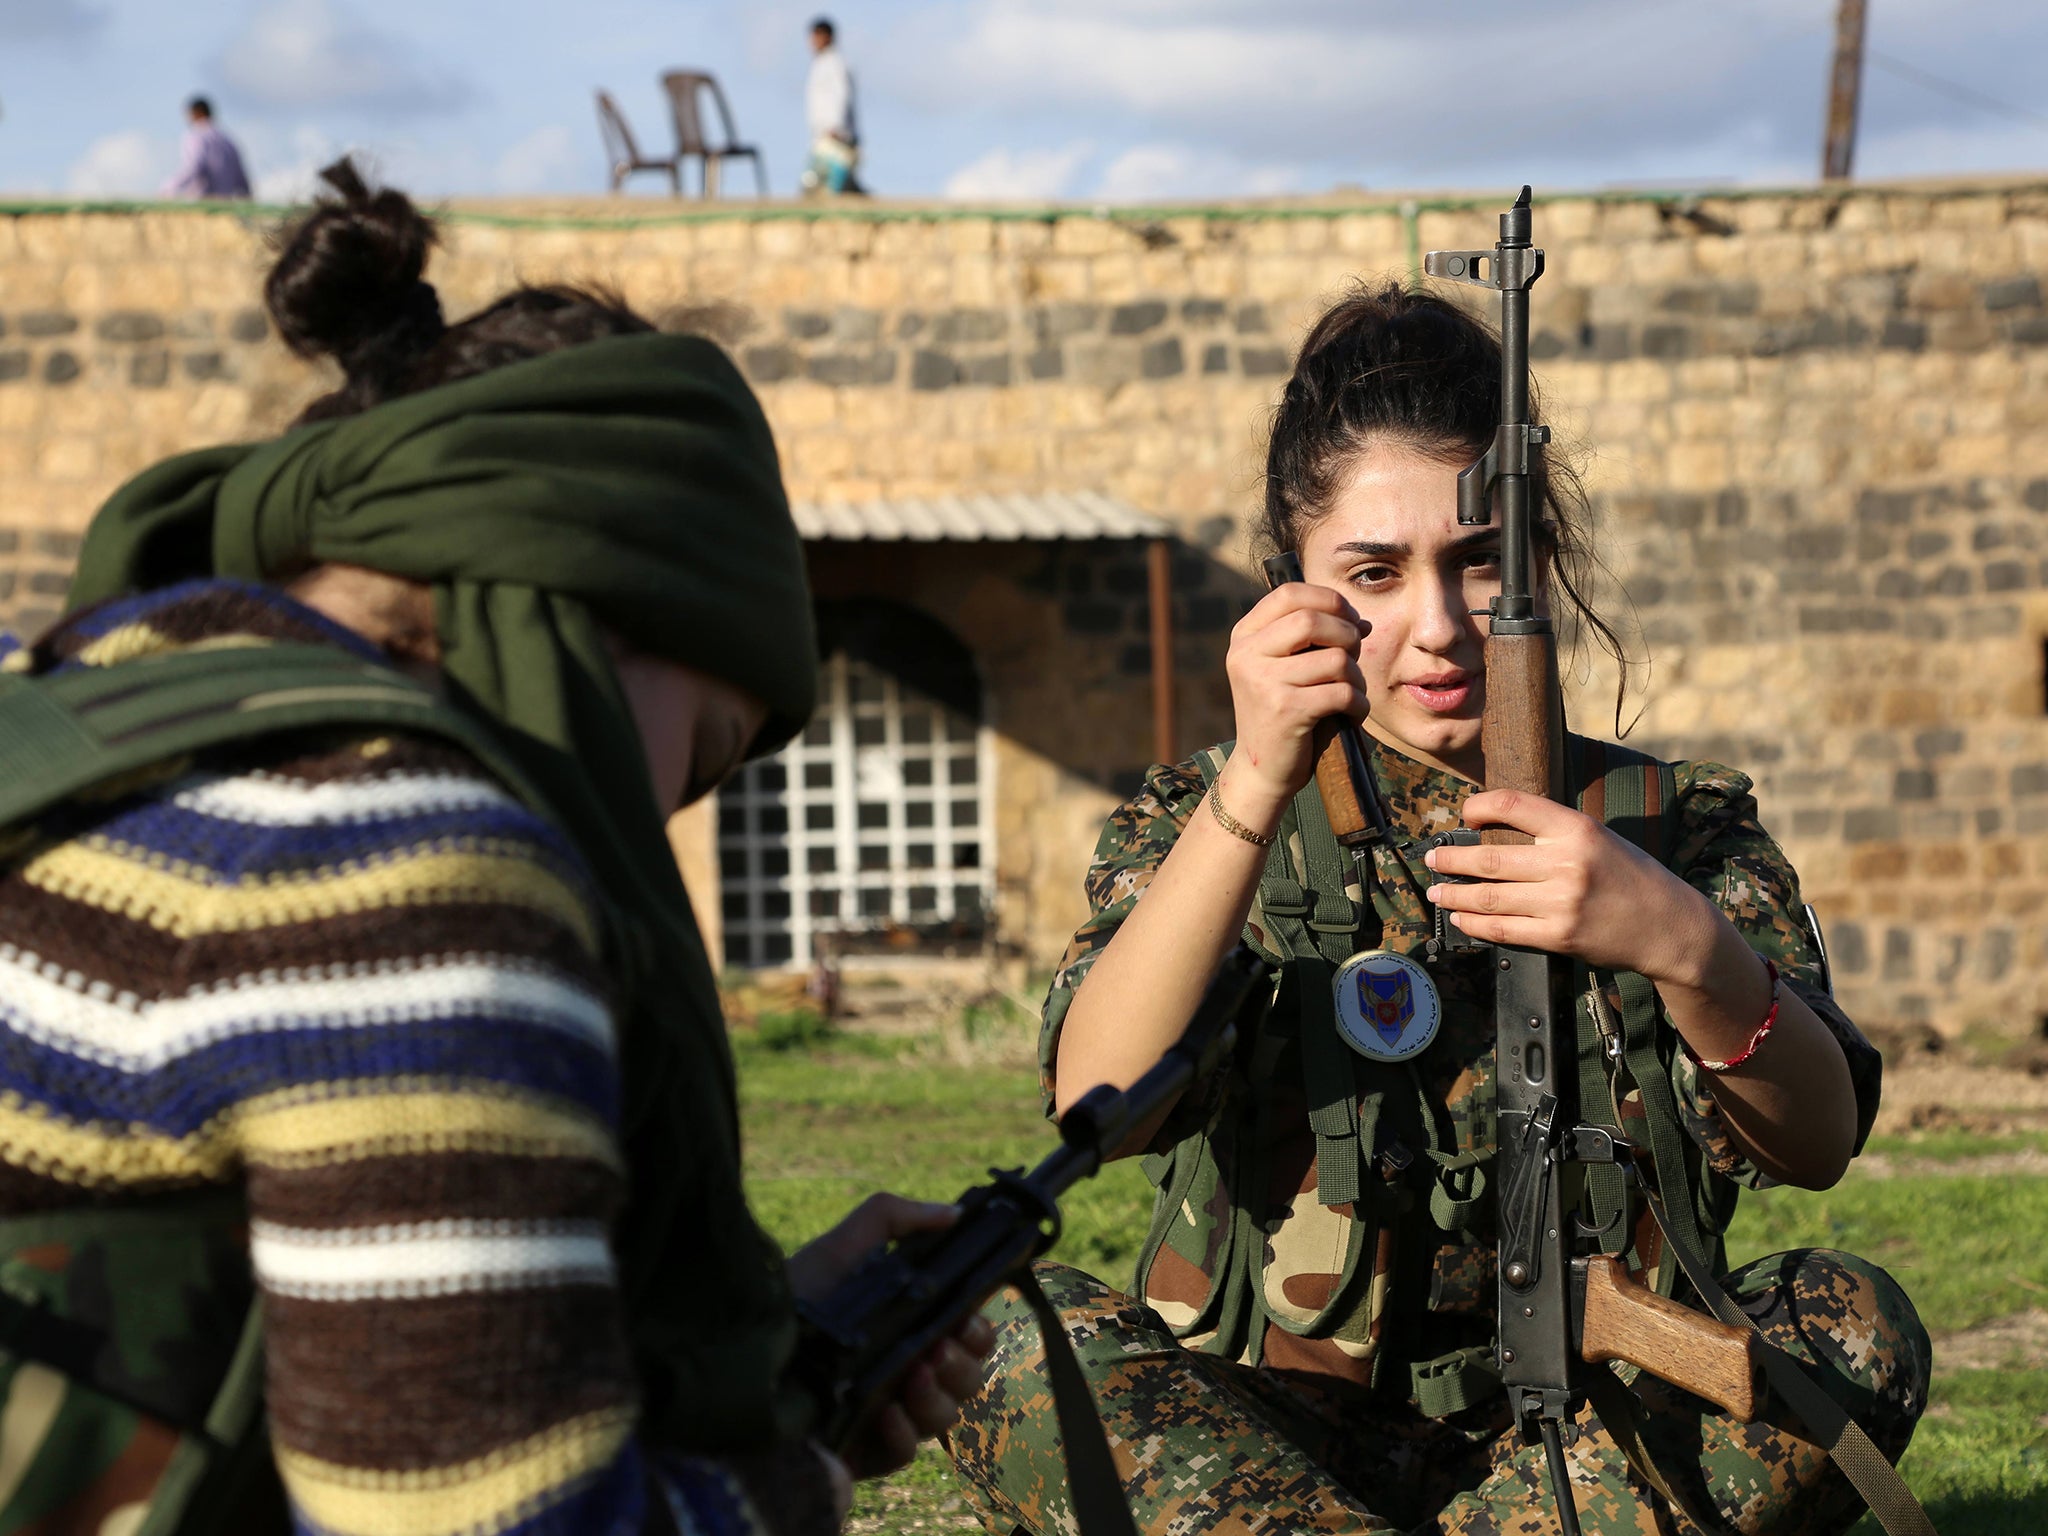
(429, 1382)
(482, 1186)
(392, 934)
(24, 1192)
(207, 615)
(135, 957)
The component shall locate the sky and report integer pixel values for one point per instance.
(1111, 101)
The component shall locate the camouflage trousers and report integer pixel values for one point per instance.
(1210, 1445)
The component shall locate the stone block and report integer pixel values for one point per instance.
(13, 365)
(990, 369)
(1216, 358)
(1136, 318)
(1901, 334)
(1104, 363)
(150, 370)
(1252, 318)
(1203, 312)
(1043, 363)
(248, 326)
(130, 325)
(46, 322)
(1162, 359)
(1264, 362)
(61, 367)
(769, 365)
(933, 370)
(969, 325)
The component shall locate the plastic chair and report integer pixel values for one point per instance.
(624, 154)
(686, 87)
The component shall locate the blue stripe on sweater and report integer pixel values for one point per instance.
(237, 850)
(185, 1094)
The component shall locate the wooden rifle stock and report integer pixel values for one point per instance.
(1626, 1320)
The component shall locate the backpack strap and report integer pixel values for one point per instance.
(66, 732)
(1308, 919)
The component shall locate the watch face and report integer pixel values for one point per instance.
(1387, 1005)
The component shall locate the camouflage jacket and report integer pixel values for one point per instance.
(1416, 1249)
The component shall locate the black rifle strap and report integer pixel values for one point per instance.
(1098, 1492)
(1875, 1478)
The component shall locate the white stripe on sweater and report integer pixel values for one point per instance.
(61, 1010)
(435, 1258)
(266, 800)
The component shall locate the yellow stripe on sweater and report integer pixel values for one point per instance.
(298, 1129)
(481, 1496)
(187, 902)
(316, 1126)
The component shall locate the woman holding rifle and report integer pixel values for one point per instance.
(1309, 1345)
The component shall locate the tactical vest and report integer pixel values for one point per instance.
(1380, 1152)
(131, 1361)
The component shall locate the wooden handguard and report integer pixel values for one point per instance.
(1626, 1320)
(1340, 765)
(1519, 733)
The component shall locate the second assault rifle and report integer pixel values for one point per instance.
(1566, 1306)
(861, 1338)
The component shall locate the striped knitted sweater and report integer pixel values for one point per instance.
(354, 975)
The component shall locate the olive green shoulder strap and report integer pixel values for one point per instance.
(67, 732)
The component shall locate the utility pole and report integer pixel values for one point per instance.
(1845, 83)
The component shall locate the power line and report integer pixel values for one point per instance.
(1954, 91)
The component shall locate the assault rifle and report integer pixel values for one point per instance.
(876, 1323)
(1561, 1300)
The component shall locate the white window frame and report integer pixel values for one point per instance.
(754, 883)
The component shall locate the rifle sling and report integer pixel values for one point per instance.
(1100, 1508)
(1873, 1477)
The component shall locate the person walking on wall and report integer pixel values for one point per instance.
(828, 107)
(210, 164)
(392, 1047)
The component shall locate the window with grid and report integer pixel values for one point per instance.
(870, 832)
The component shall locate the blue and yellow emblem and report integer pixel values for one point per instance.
(1387, 1005)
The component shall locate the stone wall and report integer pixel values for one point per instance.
(1815, 426)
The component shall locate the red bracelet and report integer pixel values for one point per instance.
(1763, 1031)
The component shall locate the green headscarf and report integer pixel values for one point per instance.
(630, 485)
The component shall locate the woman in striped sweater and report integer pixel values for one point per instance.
(460, 1058)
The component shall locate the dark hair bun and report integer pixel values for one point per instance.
(348, 284)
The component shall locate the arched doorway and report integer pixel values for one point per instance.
(872, 831)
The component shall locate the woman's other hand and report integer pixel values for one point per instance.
(928, 1398)
(1579, 889)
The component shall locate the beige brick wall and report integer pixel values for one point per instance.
(1815, 426)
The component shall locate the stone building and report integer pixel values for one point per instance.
(1814, 425)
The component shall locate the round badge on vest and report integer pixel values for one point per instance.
(1387, 1005)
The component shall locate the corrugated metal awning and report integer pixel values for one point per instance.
(974, 519)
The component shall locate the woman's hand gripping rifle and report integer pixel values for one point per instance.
(1561, 1299)
(868, 1331)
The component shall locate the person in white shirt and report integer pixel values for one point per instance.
(828, 105)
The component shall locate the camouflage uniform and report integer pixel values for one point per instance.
(1305, 1420)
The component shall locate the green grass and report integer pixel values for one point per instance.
(832, 1117)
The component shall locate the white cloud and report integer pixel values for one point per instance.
(285, 168)
(1029, 175)
(546, 160)
(1154, 172)
(309, 54)
(130, 164)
